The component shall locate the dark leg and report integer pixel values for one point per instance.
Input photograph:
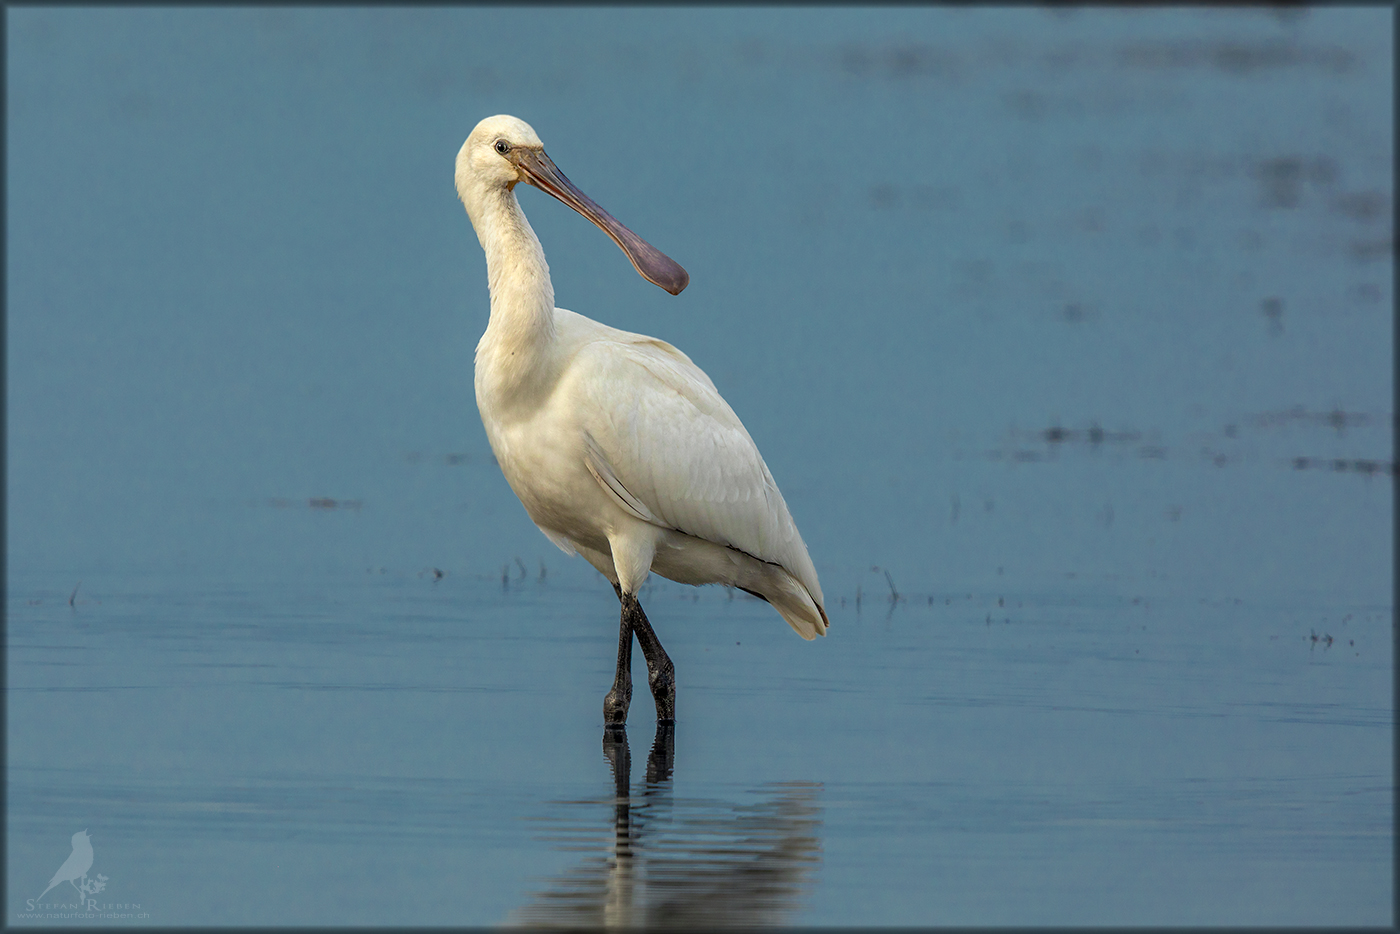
(620, 697)
(661, 674)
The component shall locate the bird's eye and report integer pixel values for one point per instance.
(502, 146)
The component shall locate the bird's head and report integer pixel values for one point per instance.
(492, 152)
(80, 837)
(503, 150)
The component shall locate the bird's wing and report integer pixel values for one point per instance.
(672, 452)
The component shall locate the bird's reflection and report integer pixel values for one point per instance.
(669, 862)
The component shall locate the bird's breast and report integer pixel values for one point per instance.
(541, 453)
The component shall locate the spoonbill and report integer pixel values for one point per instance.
(619, 447)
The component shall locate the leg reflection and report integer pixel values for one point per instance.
(745, 860)
(619, 756)
(619, 897)
(663, 754)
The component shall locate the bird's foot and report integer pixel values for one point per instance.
(615, 705)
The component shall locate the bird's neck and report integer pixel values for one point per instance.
(522, 297)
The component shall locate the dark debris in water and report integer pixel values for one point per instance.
(1235, 57)
(898, 195)
(1362, 206)
(316, 502)
(900, 60)
(1076, 312)
(1218, 451)
(451, 459)
(1364, 293)
(1342, 465)
(1365, 251)
(1337, 418)
(1093, 435)
(1325, 640)
(906, 59)
(1281, 179)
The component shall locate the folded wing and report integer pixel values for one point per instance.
(673, 453)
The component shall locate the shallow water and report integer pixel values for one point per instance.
(1067, 335)
(397, 750)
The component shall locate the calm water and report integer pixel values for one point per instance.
(1068, 336)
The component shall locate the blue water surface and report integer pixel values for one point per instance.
(1067, 333)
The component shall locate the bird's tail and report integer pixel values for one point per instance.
(792, 601)
(47, 890)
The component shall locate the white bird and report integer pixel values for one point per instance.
(75, 867)
(620, 448)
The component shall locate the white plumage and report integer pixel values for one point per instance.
(619, 447)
